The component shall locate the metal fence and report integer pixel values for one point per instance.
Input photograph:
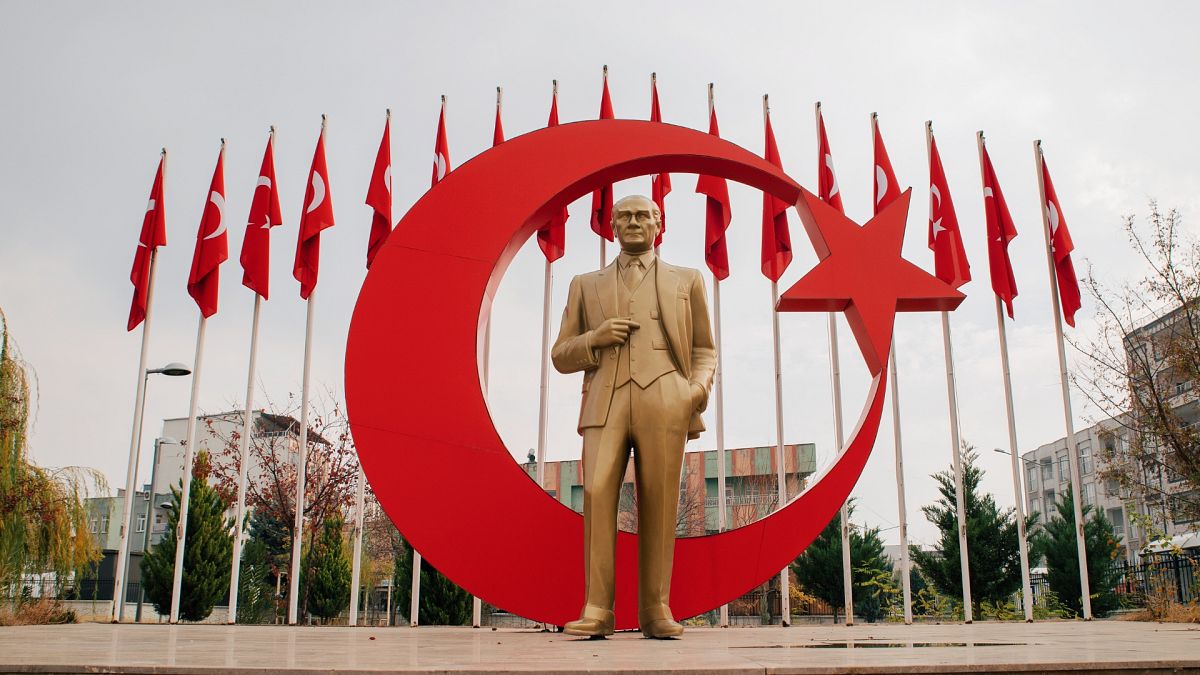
(1164, 575)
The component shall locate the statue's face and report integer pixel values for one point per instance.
(635, 222)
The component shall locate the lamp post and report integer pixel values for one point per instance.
(173, 369)
(158, 442)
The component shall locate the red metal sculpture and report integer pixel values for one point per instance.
(413, 385)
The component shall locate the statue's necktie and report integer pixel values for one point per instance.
(634, 274)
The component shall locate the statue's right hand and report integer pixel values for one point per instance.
(613, 332)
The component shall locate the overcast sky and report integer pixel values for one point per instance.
(92, 91)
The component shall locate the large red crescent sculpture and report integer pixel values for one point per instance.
(416, 405)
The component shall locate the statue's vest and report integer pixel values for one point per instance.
(646, 356)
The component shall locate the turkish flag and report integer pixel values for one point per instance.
(441, 149)
(602, 199)
(1000, 231)
(887, 190)
(949, 257)
(552, 237)
(827, 185)
(660, 184)
(717, 214)
(1061, 247)
(379, 194)
(264, 214)
(776, 241)
(212, 245)
(154, 234)
(316, 216)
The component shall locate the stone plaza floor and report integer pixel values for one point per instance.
(1043, 647)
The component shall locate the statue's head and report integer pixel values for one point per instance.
(636, 221)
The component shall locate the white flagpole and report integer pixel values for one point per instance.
(835, 375)
(901, 500)
(901, 506)
(135, 445)
(603, 241)
(414, 604)
(301, 464)
(1068, 416)
(955, 440)
(356, 567)
(243, 468)
(189, 451)
(785, 607)
(719, 395)
(1018, 495)
(544, 386)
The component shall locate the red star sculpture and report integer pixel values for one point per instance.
(862, 274)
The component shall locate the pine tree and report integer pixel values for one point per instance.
(992, 548)
(206, 558)
(819, 569)
(327, 570)
(1056, 542)
(256, 589)
(442, 602)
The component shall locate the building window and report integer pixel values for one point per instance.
(1112, 488)
(1085, 458)
(1035, 506)
(1064, 468)
(103, 524)
(92, 525)
(158, 519)
(1032, 479)
(1089, 494)
(1047, 469)
(141, 524)
(1117, 517)
(1048, 498)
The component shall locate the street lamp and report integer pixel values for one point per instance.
(165, 440)
(121, 576)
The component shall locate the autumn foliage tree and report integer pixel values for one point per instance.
(1142, 368)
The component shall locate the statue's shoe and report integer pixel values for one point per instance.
(662, 629)
(589, 627)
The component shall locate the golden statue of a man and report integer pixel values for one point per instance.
(639, 331)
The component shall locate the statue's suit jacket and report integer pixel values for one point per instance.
(683, 311)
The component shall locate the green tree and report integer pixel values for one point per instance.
(256, 588)
(992, 548)
(327, 571)
(442, 602)
(819, 569)
(206, 558)
(1056, 542)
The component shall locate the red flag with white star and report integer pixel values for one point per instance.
(717, 213)
(887, 190)
(776, 240)
(660, 184)
(153, 235)
(949, 257)
(379, 194)
(552, 238)
(316, 216)
(1000, 231)
(1061, 246)
(441, 149)
(602, 199)
(827, 185)
(264, 214)
(212, 244)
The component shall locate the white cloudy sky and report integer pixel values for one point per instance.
(91, 92)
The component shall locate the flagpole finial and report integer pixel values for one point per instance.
(272, 129)
(389, 112)
(874, 116)
(929, 126)
(222, 143)
(164, 151)
(606, 71)
(818, 105)
(980, 135)
(653, 77)
(443, 99)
